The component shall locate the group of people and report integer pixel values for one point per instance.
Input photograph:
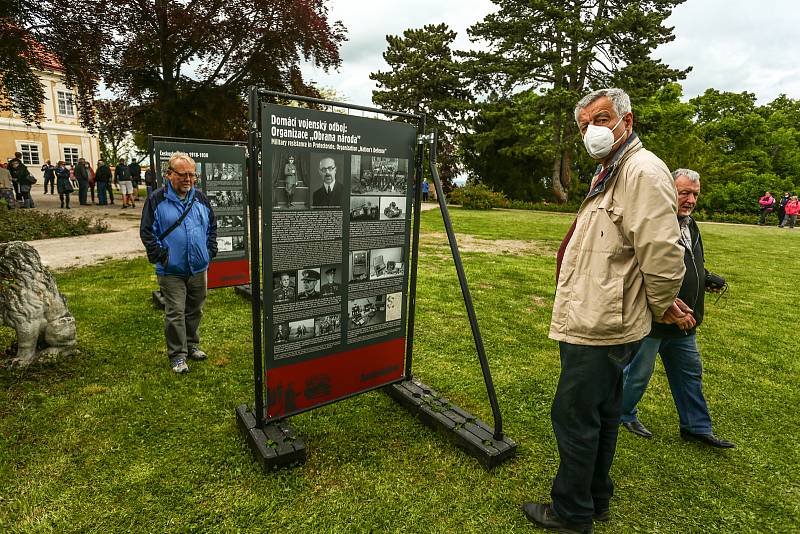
(630, 280)
(787, 209)
(16, 182)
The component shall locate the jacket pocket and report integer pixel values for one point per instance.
(595, 308)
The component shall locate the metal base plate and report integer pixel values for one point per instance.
(245, 291)
(273, 446)
(158, 300)
(466, 431)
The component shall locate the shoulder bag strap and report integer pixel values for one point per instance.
(179, 221)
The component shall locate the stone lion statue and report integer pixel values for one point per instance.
(31, 304)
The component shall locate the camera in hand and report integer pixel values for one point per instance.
(715, 281)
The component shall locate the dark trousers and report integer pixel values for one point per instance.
(110, 191)
(101, 193)
(64, 197)
(585, 415)
(83, 189)
(183, 310)
(49, 180)
(17, 194)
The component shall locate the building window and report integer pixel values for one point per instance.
(70, 155)
(30, 154)
(66, 104)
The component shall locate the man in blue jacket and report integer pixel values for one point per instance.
(179, 231)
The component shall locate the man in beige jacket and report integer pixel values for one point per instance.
(619, 266)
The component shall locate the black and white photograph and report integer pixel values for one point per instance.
(290, 172)
(224, 244)
(331, 281)
(230, 221)
(367, 311)
(394, 306)
(280, 333)
(364, 208)
(225, 199)
(224, 172)
(371, 175)
(284, 287)
(392, 208)
(309, 284)
(238, 243)
(385, 263)
(359, 266)
(327, 180)
(303, 329)
(327, 324)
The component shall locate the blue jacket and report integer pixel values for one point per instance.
(190, 246)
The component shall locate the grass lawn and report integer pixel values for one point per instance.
(111, 440)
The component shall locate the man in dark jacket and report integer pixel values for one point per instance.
(13, 170)
(136, 175)
(677, 343)
(179, 232)
(82, 175)
(102, 178)
(49, 171)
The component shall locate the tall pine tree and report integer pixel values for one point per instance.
(425, 78)
(563, 48)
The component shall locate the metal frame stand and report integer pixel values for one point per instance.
(488, 445)
(273, 442)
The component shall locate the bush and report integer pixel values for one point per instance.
(27, 225)
(478, 197)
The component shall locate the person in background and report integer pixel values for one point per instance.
(72, 178)
(782, 208)
(13, 170)
(767, 205)
(103, 180)
(49, 171)
(7, 187)
(677, 343)
(792, 209)
(82, 176)
(63, 184)
(92, 180)
(122, 178)
(150, 180)
(426, 187)
(25, 181)
(136, 176)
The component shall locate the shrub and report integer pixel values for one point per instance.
(478, 197)
(27, 225)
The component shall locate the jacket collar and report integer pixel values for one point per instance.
(632, 144)
(172, 195)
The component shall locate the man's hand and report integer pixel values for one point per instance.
(680, 315)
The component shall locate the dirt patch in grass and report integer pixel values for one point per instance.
(469, 243)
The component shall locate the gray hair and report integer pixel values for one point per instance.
(693, 176)
(620, 101)
(176, 156)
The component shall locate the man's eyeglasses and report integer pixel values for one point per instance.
(327, 169)
(183, 174)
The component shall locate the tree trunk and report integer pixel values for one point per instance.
(561, 193)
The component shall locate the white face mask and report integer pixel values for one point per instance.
(599, 140)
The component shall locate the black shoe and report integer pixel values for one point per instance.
(638, 428)
(707, 439)
(542, 515)
(602, 515)
(196, 354)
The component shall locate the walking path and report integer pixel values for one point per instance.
(121, 243)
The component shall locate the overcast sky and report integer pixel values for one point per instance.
(733, 45)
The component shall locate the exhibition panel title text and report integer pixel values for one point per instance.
(319, 134)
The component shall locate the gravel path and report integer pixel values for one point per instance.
(121, 243)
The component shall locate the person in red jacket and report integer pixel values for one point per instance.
(792, 209)
(767, 203)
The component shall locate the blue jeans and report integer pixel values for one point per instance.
(585, 416)
(684, 370)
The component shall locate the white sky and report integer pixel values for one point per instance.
(733, 45)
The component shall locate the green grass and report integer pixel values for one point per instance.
(111, 440)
